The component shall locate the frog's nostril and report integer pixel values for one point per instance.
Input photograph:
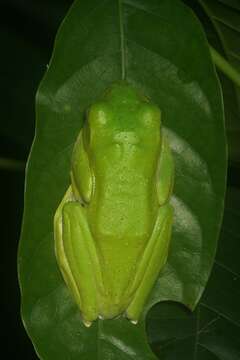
(128, 137)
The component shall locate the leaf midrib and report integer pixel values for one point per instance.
(122, 41)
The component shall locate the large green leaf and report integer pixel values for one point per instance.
(213, 330)
(98, 43)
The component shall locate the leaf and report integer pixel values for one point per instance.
(213, 330)
(98, 44)
(225, 17)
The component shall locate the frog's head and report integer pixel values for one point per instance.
(123, 115)
(121, 134)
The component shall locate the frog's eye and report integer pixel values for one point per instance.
(97, 115)
(150, 116)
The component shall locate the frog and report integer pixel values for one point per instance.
(113, 226)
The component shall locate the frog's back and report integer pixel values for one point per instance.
(125, 147)
(122, 224)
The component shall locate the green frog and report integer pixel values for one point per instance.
(113, 226)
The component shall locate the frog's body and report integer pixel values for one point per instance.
(113, 226)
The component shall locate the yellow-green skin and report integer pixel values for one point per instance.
(113, 226)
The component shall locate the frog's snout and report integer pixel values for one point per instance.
(126, 137)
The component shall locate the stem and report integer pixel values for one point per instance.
(11, 164)
(225, 66)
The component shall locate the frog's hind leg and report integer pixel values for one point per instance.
(59, 249)
(154, 258)
(81, 269)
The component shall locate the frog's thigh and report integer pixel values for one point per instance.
(62, 259)
(59, 249)
(154, 258)
(82, 258)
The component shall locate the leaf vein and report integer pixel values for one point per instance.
(225, 23)
(226, 268)
(210, 351)
(122, 40)
(148, 12)
(220, 314)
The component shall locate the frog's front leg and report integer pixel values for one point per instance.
(165, 173)
(78, 259)
(153, 260)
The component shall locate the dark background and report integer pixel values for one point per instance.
(27, 32)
